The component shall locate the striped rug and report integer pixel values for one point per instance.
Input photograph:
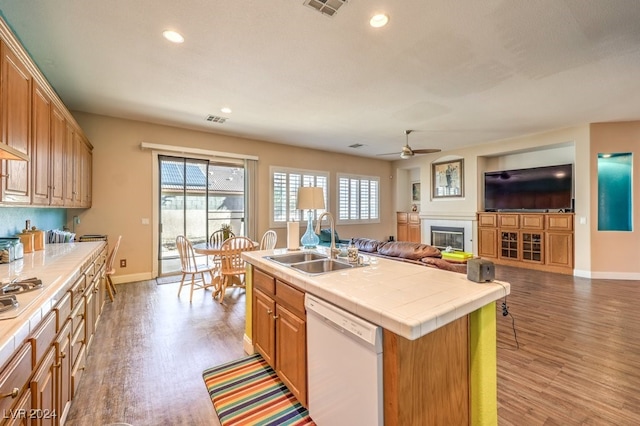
(248, 392)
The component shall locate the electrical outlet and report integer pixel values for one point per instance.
(123, 263)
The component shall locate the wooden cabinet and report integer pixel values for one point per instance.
(409, 227)
(43, 374)
(33, 120)
(41, 147)
(15, 101)
(528, 240)
(14, 378)
(280, 330)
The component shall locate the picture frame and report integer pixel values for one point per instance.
(447, 178)
(415, 191)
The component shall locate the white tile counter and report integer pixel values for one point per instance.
(409, 300)
(58, 266)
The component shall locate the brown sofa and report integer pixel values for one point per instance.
(405, 251)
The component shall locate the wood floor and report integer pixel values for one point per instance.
(578, 361)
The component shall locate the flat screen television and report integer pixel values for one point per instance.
(535, 189)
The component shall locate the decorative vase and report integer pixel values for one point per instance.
(309, 239)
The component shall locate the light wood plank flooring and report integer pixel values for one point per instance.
(578, 362)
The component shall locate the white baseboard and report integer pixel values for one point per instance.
(121, 279)
(247, 345)
(635, 276)
(581, 273)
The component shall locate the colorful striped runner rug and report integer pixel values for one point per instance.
(248, 392)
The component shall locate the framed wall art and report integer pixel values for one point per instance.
(415, 192)
(448, 179)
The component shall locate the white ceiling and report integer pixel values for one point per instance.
(464, 72)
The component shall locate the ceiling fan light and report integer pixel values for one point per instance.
(406, 154)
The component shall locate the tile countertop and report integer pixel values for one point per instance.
(407, 299)
(58, 266)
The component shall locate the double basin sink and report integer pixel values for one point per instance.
(309, 262)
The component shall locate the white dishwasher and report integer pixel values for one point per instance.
(344, 354)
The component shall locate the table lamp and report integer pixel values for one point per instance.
(310, 198)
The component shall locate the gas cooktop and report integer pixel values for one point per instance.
(17, 295)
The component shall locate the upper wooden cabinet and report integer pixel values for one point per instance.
(15, 94)
(34, 121)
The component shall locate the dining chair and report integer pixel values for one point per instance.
(269, 239)
(217, 237)
(190, 267)
(233, 267)
(110, 270)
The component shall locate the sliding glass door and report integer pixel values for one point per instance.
(196, 198)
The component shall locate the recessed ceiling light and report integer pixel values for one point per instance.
(379, 20)
(173, 36)
(226, 110)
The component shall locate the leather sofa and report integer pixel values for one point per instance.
(405, 251)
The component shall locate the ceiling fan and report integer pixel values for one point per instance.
(408, 152)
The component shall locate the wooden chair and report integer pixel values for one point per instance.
(269, 239)
(233, 267)
(217, 237)
(110, 270)
(189, 266)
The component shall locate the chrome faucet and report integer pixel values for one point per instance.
(333, 251)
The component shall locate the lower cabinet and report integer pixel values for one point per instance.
(280, 330)
(39, 381)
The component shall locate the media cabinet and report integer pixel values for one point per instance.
(542, 241)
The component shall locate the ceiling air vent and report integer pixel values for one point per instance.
(216, 119)
(356, 145)
(326, 7)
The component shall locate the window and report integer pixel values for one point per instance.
(358, 199)
(285, 184)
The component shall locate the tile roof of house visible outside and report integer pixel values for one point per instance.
(221, 178)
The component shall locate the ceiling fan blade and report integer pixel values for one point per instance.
(425, 151)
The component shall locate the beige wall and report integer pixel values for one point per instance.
(613, 253)
(123, 186)
(555, 147)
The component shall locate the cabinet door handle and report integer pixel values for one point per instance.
(14, 392)
(275, 317)
(269, 311)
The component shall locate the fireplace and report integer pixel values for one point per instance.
(447, 236)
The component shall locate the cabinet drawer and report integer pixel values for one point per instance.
(63, 310)
(263, 281)
(489, 220)
(78, 315)
(532, 221)
(76, 372)
(42, 337)
(290, 296)
(77, 342)
(508, 221)
(414, 218)
(560, 222)
(402, 217)
(77, 289)
(15, 376)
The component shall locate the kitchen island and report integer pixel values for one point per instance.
(439, 337)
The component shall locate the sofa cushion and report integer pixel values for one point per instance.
(367, 244)
(443, 264)
(325, 235)
(408, 250)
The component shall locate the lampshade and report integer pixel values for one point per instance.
(310, 197)
(9, 153)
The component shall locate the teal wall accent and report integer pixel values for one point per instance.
(12, 219)
(614, 192)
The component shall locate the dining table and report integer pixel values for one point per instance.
(215, 250)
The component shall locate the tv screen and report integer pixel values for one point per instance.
(539, 188)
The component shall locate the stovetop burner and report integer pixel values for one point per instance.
(22, 286)
(8, 303)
